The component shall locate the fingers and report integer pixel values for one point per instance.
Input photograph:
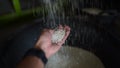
(48, 30)
(67, 29)
(60, 27)
(67, 32)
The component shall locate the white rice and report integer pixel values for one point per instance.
(58, 36)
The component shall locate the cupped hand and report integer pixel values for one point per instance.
(44, 42)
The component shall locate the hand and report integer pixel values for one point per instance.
(44, 43)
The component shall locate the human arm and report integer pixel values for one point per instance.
(44, 43)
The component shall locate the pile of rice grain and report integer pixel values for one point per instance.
(58, 35)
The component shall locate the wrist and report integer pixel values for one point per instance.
(37, 53)
(46, 54)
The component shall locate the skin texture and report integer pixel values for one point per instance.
(44, 43)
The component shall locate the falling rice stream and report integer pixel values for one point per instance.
(64, 57)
